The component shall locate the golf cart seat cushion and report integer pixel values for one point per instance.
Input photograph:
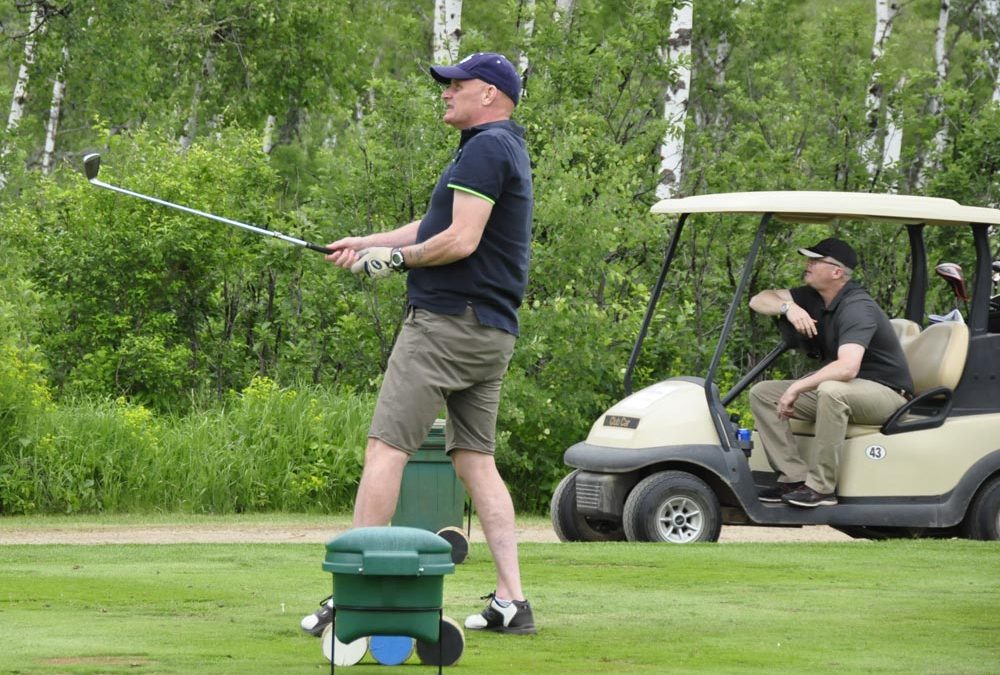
(808, 428)
(905, 329)
(937, 355)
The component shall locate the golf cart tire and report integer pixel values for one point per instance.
(983, 519)
(674, 507)
(570, 525)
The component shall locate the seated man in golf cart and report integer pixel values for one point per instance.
(863, 379)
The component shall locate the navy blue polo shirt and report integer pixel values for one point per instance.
(491, 163)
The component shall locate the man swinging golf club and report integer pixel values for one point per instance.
(467, 264)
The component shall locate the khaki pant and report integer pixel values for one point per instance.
(832, 406)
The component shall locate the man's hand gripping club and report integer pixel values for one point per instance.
(375, 262)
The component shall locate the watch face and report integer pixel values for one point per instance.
(396, 259)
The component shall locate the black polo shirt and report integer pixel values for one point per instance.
(491, 163)
(855, 318)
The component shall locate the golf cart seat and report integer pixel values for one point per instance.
(936, 357)
(905, 329)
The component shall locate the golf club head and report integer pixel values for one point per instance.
(952, 273)
(91, 165)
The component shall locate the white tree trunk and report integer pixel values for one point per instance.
(563, 10)
(936, 104)
(991, 19)
(892, 144)
(191, 126)
(55, 112)
(268, 141)
(678, 50)
(447, 30)
(885, 12)
(528, 29)
(20, 89)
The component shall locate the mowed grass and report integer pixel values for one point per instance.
(889, 607)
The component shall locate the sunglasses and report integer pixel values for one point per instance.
(814, 261)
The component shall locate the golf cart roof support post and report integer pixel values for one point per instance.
(916, 296)
(980, 313)
(654, 298)
(720, 347)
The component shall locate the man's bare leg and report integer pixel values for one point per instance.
(378, 491)
(493, 504)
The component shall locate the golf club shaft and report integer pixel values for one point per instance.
(210, 216)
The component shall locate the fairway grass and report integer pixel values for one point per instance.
(889, 607)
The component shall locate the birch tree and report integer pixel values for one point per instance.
(447, 30)
(677, 50)
(885, 13)
(892, 143)
(563, 11)
(526, 24)
(991, 30)
(55, 112)
(936, 103)
(20, 96)
(207, 72)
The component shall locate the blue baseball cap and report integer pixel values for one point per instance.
(491, 68)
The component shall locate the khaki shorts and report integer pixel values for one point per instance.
(440, 360)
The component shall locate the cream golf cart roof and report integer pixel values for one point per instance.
(821, 207)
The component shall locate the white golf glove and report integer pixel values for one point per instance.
(378, 262)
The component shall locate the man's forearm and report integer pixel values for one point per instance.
(769, 302)
(401, 236)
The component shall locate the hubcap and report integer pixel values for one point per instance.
(679, 520)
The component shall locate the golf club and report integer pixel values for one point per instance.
(92, 165)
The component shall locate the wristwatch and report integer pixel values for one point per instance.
(396, 260)
(785, 306)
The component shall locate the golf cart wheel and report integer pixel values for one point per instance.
(674, 507)
(983, 519)
(570, 525)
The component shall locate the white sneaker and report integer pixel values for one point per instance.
(315, 623)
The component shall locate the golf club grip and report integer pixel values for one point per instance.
(321, 249)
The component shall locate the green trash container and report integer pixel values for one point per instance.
(388, 581)
(431, 497)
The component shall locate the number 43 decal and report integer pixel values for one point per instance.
(875, 452)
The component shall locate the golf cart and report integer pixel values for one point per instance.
(668, 463)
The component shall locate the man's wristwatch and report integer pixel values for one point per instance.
(785, 306)
(396, 260)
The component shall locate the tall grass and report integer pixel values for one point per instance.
(265, 448)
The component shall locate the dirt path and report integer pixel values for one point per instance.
(279, 533)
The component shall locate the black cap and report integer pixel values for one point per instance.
(837, 249)
(489, 67)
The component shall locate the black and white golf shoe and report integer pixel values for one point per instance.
(515, 618)
(315, 623)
